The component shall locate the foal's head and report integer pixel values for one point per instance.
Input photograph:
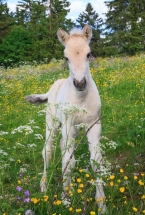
(77, 53)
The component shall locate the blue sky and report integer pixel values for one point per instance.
(77, 6)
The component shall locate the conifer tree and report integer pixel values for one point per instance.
(90, 17)
(6, 20)
(123, 33)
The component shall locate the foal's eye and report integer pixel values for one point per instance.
(66, 58)
(89, 55)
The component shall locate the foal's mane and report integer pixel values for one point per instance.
(76, 32)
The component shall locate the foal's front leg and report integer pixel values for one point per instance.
(67, 150)
(95, 156)
(51, 130)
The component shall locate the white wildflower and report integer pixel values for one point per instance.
(31, 122)
(22, 128)
(38, 136)
(3, 133)
(22, 170)
(11, 159)
(2, 152)
(32, 145)
(98, 181)
(66, 202)
(19, 144)
(82, 125)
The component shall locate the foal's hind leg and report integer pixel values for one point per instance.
(95, 156)
(47, 151)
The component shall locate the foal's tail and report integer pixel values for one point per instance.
(37, 98)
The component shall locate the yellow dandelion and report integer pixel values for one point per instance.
(118, 180)
(100, 200)
(43, 179)
(87, 175)
(45, 198)
(111, 183)
(135, 177)
(122, 189)
(81, 186)
(92, 213)
(78, 210)
(19, 161)
(141, 183)
(66, 188)
(71, 185)
(19, 181)
(143, 197)
(80, 170)
(112, 176)
(79, 180)
(34, 200)
(142, 174)
(125, 202)
(134, 209)
(70, 209)
(125, 177)
(57, 202)
(121, 170)
(79, 190)
(143, 211)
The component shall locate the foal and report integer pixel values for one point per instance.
(78, 89)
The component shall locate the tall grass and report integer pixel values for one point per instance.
(121, 83)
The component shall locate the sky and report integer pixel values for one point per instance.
(76, 7)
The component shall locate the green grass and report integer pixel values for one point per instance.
(121, 83)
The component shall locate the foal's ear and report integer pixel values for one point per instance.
(87, 32)
(62, 36)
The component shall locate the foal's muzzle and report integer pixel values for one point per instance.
(80, 85)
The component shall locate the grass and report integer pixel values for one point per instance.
(121, 83)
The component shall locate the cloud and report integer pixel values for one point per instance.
(12, 6)
(78, 7)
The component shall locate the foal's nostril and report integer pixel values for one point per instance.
(80, 85)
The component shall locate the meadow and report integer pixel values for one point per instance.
(121, 83)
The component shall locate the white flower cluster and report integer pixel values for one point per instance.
(32, 145)
(20, 129)
(105, 170)
(111, 144)
(98, 181)
(69, 109)
(81, 125)
(38, 136)
(66, 202)
(2, 152)
(3, 133)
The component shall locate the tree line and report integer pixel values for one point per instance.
(29, 34)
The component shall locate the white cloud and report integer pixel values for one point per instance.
(78, 6)
(12, 6)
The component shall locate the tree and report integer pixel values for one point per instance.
(90, 17)
(5, 19)
(123, 34)
(14, 47)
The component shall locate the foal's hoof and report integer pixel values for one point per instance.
(102, 209)
(43, 185)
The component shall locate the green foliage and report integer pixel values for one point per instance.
(14, 47)
(123, 27)
(90, 17)
(5, 19)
